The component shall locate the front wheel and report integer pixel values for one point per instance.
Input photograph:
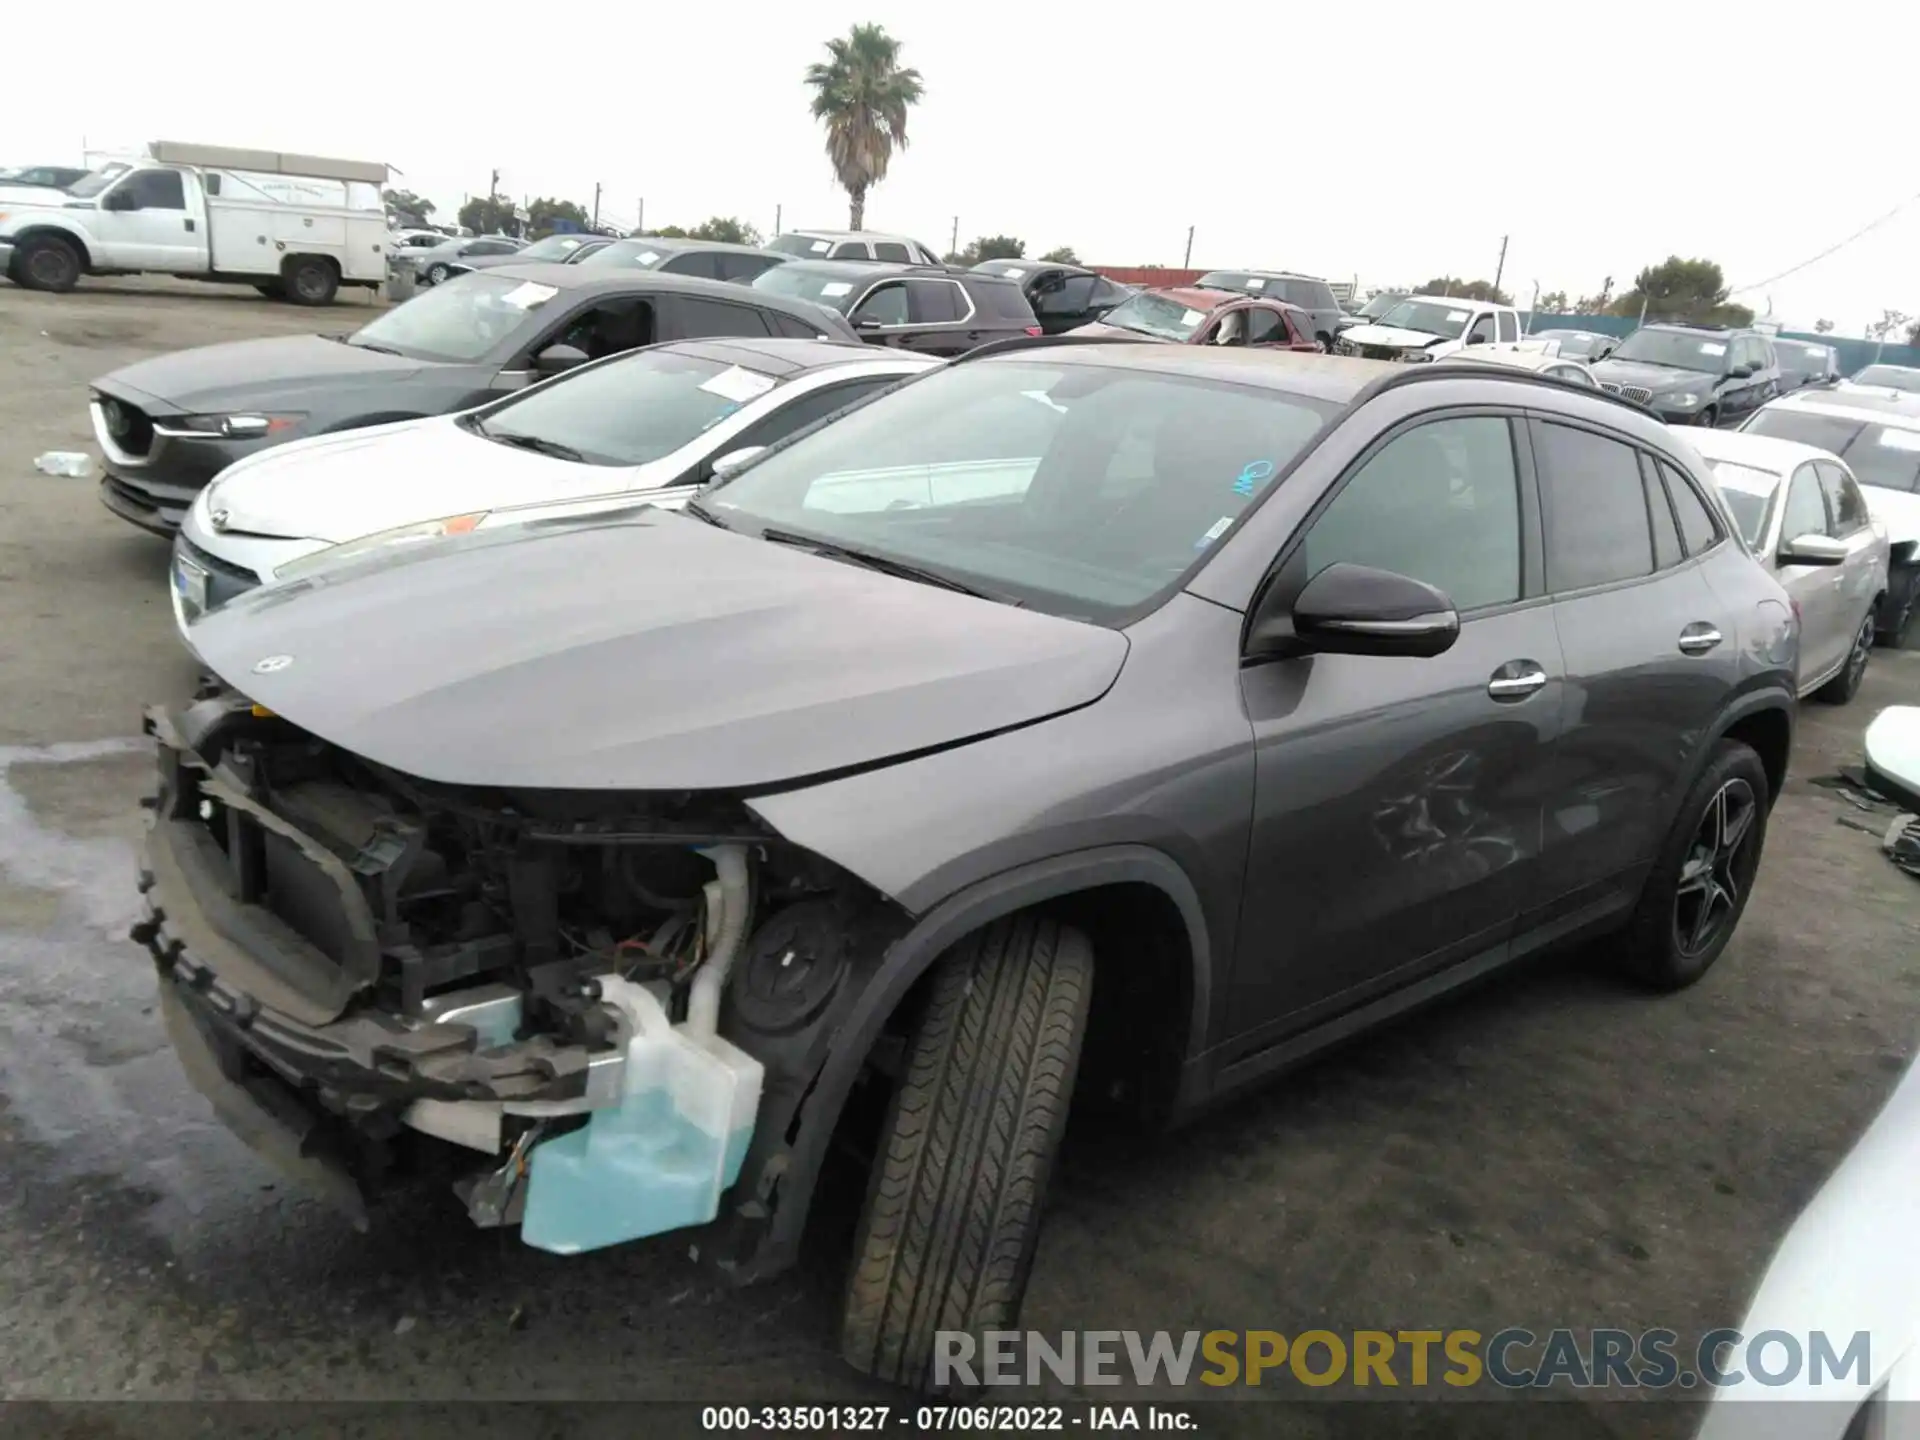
(1699, 886)
(46, 262)
(1322, 344)
(1896, 609)
(952, 1217)
(1710, 418)
(436, 273)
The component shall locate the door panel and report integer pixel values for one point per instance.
(1825, 631)
(1862, 577)
(1397, 805)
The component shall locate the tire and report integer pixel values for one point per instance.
(436, 273)
(1896, 622)
(1710, 418)
(46, 262)
(1667, 946)
(273, 290)
(952, 1216)
(1844, 686)
(1324, 344)
(310, 280)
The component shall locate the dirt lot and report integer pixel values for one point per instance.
(1551, 1150)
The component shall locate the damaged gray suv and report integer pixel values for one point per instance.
(1104, 723)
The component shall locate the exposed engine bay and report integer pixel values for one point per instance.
(363, 964)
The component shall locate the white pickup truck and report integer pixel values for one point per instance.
(297, 227)
(1430, 327)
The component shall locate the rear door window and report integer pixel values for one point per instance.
(691, 316)
(1595, 508)
(743, 268)
(702, 264)
(1667, 550)
(935, 302)
(1509, 326)
(1071, 296)
(1697, 525)
(850, 250)
(891, 250)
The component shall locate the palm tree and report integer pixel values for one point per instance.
(863, 95)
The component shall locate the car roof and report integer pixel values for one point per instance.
(871, 269)
(1898, 408)
(1563, 330)
(615, 277)
(1458, 300)
(1514, 357)
(1317, 377)
(1265, 274)
(1691, 329)
(847, 234)
(1197, 299)
(787, 358)
(675, 242)
(1758, 452)
(1025, 267)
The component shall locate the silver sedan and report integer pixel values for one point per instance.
(1803, 516)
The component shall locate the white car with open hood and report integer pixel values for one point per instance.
(660, 421)
(1428, 327)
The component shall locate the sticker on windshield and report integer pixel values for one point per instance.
(737, 385)
(819, 247)
(528, 295)
(1045, 399)
(1255, 282)
(1251, 476)
(837, 289)
(1456, 317)
(1900, 439)
(1712, 347)
(1013, 274)
(646, 257)
(1192, 317)
(1214, 532)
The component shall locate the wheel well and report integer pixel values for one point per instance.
(35, 232)
(287, 265)
(1770, 734)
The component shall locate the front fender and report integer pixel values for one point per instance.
(761, 1235)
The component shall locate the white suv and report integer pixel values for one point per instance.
(852, 245)
(1427, 327)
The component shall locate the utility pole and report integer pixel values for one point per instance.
(1533, 309)
(1501, 268)
(953, 245)
(1187, 262)
(596, 204)
(493, 187)
(640, 219)
(777, 212)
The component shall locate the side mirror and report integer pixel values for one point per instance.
(733, 461)
(555, 358)
(1479, 340)
(117, 200)
(1740, 372)
(1355, 610)
(1813, 549)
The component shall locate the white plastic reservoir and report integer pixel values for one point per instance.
(662, 1157)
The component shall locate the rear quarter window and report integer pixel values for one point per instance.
(1004, 301)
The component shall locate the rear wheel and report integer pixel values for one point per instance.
(46, 262)
(1699, 885)
(1844, 686)
(1710, 418)
(310, 280)
(436, 273)
(1896, 610)
(1323, 343)
(952, 1217)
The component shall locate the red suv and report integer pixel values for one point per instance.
(1207, 317)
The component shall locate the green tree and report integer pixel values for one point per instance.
(862, 95)
(493, 215)
(542, 215)
(1458, 289)
(1062, 256)
(1677, 289)
(726, 230)
(407, 203)
(669, 232)
(1554, 302)
(992, 247)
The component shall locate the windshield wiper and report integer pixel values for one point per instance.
(366, 345)
(700, 512)
(540, 445)
(885, 564)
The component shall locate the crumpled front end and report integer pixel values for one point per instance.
(373, 978)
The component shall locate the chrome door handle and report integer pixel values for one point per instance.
(1698, 639)
(1517, 685)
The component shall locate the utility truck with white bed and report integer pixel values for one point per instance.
(296, 227)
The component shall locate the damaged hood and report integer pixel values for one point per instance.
(646, 651)
(1394, 336)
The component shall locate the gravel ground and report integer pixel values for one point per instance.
(1552, 1149)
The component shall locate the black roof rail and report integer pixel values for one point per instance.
(1038, 342)
(1449, 368)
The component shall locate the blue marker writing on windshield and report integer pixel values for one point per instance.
(1252, 475)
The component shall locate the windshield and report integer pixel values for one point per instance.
(630, 410)
(1749, 495)
(1890, 377)
(1574, 344)
(829, 289)
(1078, 489)
(1877, 454)
(630, 253)
(460, 319)
(1378, 306)
(1801, 359)
(1675, 349)
(87, 186)
(554, 247)
(1158, 315)
(791, 244)
(1430, 317)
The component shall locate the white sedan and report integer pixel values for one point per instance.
(661, 420)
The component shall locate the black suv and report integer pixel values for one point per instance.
(932, 309)
(1063, 297)
(1078, 721)
(1693, 374)
(1308, 292)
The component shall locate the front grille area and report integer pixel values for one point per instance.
(1379, 352)
(1639, 394)
(224, 578)
(129, 425)
(133, 496)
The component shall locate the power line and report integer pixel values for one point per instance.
(1837, 245)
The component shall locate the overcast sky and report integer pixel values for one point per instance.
(1755, 137)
